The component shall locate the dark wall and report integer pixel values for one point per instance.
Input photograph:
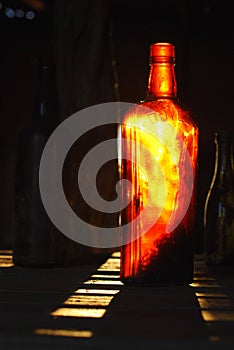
(203, 34)
(22, 43)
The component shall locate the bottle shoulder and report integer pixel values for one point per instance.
(221, 193)
(161, 109)
(34, 135)
(224, 182)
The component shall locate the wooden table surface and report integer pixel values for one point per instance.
(87, 307)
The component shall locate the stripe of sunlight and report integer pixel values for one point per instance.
(64, 333)
(204, 282)
(93, 302)
(6, 259)
(216, 307)
(112, 264)
(214, 303)
(106, 272)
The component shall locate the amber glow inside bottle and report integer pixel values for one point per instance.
(164, 253)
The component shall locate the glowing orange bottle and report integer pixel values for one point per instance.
(159, 142)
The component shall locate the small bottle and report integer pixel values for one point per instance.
(37, 242)
(219, 205)
(160, 255)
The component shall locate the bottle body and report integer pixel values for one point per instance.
(37, 242)
(219, 205)
(164, 253)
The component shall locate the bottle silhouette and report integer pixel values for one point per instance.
(37, 242)
(159, 256)
(219, 204)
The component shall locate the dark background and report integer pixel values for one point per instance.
(203, 34)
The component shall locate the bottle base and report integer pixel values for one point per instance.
(131, 283)
(160, 282)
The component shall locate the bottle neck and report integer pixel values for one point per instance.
(42, 93)
(224, 166)
(46, 99)
(162, 80)
(224, 157)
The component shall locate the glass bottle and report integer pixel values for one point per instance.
(219, 204)
(164, 253)
(36, 241)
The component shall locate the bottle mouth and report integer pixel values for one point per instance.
(162, 52)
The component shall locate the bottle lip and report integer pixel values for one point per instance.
(162, 50)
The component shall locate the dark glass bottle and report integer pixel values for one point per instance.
(159, 256)
(219, 205)
(37, 242)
